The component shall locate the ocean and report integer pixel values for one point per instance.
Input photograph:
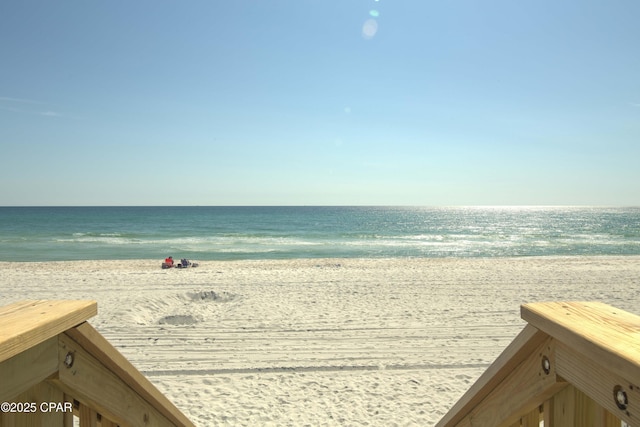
(229, 233)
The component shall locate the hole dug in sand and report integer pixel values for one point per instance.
(211, 296)
(178, 319)
(200, 305)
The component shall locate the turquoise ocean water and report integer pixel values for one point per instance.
(223, 233)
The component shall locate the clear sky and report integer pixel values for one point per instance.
(308, 102)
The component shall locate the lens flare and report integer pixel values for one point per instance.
(369, 29)
(374, 13)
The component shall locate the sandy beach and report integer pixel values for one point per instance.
(319, 342)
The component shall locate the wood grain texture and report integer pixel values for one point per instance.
(519, 349)
(606, 335)
(28, 323)
(23, 371)
(95, 344)
(95, 386)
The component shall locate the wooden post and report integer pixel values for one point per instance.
(88, 416)
(49, 357)
(38, 413)
(582, 365)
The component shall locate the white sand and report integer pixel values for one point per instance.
(319, 342)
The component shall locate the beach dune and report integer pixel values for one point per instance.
(375, 342)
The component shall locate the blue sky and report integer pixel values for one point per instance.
(305, 102)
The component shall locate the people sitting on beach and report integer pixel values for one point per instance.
(184, 263)
(168, 262)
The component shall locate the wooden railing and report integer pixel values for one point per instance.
(55, 367)
(575, 364)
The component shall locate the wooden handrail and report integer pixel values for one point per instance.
(609, 336)
(575, 363)
(28, 323)
(48, 353)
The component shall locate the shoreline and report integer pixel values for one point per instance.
(319, 341)
(311, 259)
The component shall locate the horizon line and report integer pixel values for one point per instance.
(334, 206)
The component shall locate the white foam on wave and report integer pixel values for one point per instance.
(239, 244)
(102, 240)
